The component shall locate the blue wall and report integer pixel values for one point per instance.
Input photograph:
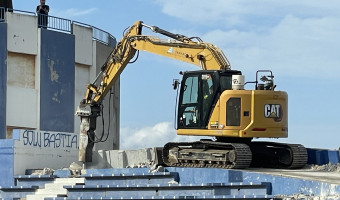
(57, 84)
(7, 162)
(3, 78)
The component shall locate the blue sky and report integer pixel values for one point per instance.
(298, 40)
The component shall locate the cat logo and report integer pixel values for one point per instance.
(273, 111)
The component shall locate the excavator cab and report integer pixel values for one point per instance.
(199, 93)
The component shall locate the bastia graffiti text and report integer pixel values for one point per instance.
(50, 139)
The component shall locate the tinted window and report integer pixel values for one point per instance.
(225, 82)
(190, 94)
(234, 112)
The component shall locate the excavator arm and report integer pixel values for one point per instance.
(179, 47)
(204, 55)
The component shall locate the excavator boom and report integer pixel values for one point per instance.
(204, 55)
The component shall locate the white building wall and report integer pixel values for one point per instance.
(21, 107)
(22, 33)
(22, 93)
(37, 75)
(83, 44)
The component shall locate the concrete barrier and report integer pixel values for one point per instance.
(122, 158)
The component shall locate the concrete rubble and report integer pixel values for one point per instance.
(138, 158)
(73, 170)
(305, 197)
(326, 168)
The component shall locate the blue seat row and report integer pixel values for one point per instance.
(33, 180)
(215, 197)
(131, 178)
(17, 192)
(136, 191)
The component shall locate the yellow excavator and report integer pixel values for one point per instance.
(212, 102)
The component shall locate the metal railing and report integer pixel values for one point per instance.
(99, 34)
(64, 25)
(55, 23)
(103, 36)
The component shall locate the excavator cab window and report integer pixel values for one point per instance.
(225, 82)
(226, 79)
(189, 106)
(196, 97)
(208, 95)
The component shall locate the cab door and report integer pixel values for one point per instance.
(188, 108)
(195, 101)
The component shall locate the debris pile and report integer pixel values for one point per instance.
(325, 168)
(45, 171)
(74, 170)
(146, 164)
(305, 197)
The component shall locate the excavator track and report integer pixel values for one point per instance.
(211, 154)
(207, 154)
(278, 155)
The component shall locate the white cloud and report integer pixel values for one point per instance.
(151, 136)
(295, 47)
(295, 38)
(242, 11)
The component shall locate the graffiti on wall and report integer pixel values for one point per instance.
(49, 139)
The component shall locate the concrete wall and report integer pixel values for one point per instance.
(55, 150)
(22, 33)
(21, 92)
(83, 44)
(122, 158)
(3, 78)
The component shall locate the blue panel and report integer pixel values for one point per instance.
(7, 162)
(62, 173)
(57, 81)
(3, 78)
(322, 156)
(333, 156)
